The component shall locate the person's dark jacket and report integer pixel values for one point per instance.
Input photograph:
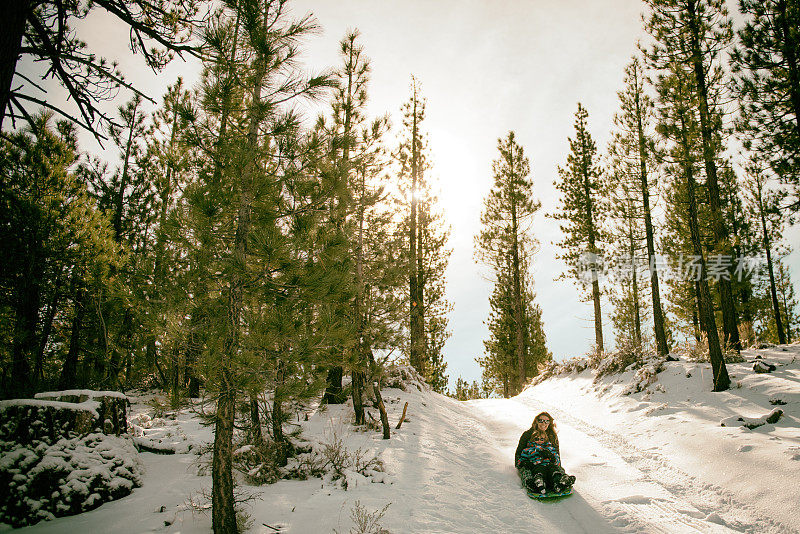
(539, 454)
(526, 437)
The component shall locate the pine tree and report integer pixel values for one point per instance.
(679, 124)
(52, 232)
(765, 204)
(506, 245)
(627, 240)
(695, 33)
(413, 164)
(164, 167)
(767, 64)
(238, 200)
(583, 210)
(633, 150)
(427, 254)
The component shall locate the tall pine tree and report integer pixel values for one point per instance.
(583, 211)
(506, 245)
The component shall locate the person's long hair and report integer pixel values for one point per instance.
(551, 429)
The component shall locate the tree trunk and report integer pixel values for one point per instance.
(334, 392)
(658, 315)
(12, 28)
(789, 316)
(598, 317)
(52, 308)
(256, 435)
(701, 316)
(376, 385)
(519, 321)
(26, 318)
(223, 511)
(637, 319)
(416, 317)
(695, 314)
(721, 380)
(729, 320)
(69, 373)
(277, 416)
(358, 399)
(772, 289)
(192, 357)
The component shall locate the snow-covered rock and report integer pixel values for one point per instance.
(43, 481)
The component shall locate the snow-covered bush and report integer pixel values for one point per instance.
(403, 376)
(366, 522)
(627, 356)
(697, 351)
(645, 375)
(553, 368)
(43, 481)
(259, 464)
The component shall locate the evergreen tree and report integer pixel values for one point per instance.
(507, 246)
(499, 364)
(239, 202)
(583, 211)
(767, 62)
(627, 240)
(164, 301)
(52, 233)
(633, 154)
(765, 204)
(427, 255)
(679, 124)
(695, 33)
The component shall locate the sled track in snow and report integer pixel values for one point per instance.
(715, 504)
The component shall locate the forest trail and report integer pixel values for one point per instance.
(646, 462)
(635, 490)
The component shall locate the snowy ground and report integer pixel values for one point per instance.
(654, 461)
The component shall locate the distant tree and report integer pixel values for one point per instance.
(765, 204)
(789, 302)
(468, 391)
(633, 153)
(164, 168)
(584, 207)
(427, 253)
(506, 245)
(767, 82)
(499, 363)
(627, 239)
(41, 31)
(413, 163)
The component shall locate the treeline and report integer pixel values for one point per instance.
(679, 229)
(234, 246)
(671, 209)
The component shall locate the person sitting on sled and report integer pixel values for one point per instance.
(538, 461)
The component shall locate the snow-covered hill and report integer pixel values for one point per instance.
(654, 461)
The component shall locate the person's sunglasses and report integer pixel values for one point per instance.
(544, 420)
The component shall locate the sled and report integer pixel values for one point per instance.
(549, 495)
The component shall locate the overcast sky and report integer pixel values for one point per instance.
(485, 67)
